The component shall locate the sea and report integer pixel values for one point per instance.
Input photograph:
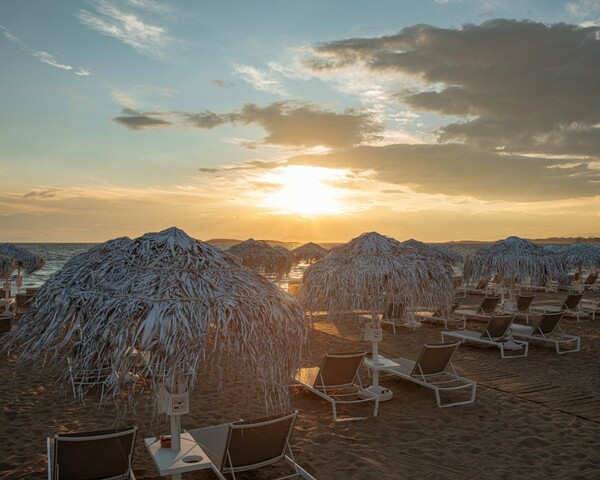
(57, 254)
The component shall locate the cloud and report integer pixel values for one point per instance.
(263, 80)
(42, 193)
(43, 56)
(128, 26)
(208, 170)
(519, 85)
(222, 83)
(135, 120)
(296, 125)
(464, 171)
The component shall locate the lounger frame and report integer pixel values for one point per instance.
(439, 377)
(348, 384)
(548, 331)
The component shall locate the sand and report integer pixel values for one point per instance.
(534, 417)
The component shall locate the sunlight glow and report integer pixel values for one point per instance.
(304, 190)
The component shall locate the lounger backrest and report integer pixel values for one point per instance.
(497, 326)
(259, 442)
(434, 359)
(572, 301)
(483, 281)
(394, 310)
(339, 369)
(5, 324)
(548, 322)
(591, 279)
(23, 300)
(523, 302)
(94, 455)
(488, 305)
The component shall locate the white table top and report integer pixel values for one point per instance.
(382, 363)
(169, 462)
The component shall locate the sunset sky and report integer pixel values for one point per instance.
(299, 120)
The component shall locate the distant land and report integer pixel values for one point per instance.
(228, 242)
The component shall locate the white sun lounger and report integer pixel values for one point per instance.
(483, 312)
(496, 333)
(248, 445)
(338, 382)
(433, 369)
(548, 331)
(571, 306)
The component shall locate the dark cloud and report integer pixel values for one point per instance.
(222, 84)
(295, 125)
(135, 120)
(460, 170)
(208, 170)
(42, 193)
(525, 86)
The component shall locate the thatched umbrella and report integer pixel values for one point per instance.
(261, 258)
(440, 252)
(369, 272)
(581, 254)
(7, 267)
(515, 259)
(309, 252)
(25, 260)
(186, 303)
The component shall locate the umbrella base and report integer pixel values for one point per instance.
(383, 393)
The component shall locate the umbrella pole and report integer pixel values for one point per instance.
(376, 363)
(6, 295)
(176, 419)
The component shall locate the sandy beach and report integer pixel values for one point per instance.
(534, 417)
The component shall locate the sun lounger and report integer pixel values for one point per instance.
(522, 306)
(496, 333)
(433, 369)
(92, 455)
(5, 323)
(338, 382)
(83, 380)
(438, 316)
(394, 313)
(23, 303)
(248, 445)
(548, 331)
(590, 308)
(571, 306)
(590, 281)
(483, 312)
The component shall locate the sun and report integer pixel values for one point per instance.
(305, 190)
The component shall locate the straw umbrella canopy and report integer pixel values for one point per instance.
(440, 252)
(261, 258)
(186, 303)
(309, 252)
(372, 270)
(24, 259)
(515, 259)
(7, 267)
(288, 257)
(581, 254)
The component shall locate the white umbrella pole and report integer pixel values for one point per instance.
(376, 363)
(176, 419)
(6, 294)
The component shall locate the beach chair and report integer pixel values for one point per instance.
(22, 303)
(433, 369)
(590, 281)
(83, 380)
(394, 312)
(548, 331)
(522, 306)
(590, 308)
(5, 323)
(496, 333)
(483, 311)
(338, 382)
(439, 316)
(248, 445)
(571, 306)
(99, 455)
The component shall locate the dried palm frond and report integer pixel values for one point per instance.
(261, 258)
(515, 259)
(7, 267)
(440, 252)
(186, 303)
(26, 260)
(369, 272)
(309, 252)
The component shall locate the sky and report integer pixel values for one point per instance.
(304, 120)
